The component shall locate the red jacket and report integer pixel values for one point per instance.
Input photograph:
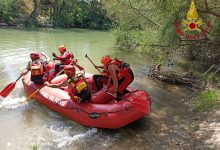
(66, 58)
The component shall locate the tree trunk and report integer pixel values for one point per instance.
(35, 12)
(57, 8)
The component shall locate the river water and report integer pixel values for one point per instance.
(33, 126)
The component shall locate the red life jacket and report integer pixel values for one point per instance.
(37, 68)
(105, 73)
(117, 62)
(123, 67)
(66, 58)
(76, 86)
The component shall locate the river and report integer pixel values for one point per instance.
(33, 126)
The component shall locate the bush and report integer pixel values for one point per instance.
(207, 100)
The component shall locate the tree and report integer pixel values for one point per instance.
(149, 25)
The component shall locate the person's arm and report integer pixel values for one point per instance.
(59, 85)
(55, 56)
(47, 57)
(100, 67)
(81, 69)
(25, 71)
(111, 70)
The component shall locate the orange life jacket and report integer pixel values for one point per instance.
(37, 68)
(76, 86)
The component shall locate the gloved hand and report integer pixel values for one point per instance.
(46, 83)
(53, 54)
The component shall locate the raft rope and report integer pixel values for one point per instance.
(95, 115)
(102, 113)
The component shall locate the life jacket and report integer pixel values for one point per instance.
(117, 62)
(76, 86)
(66, 58)
(105, 73)
(123, 67)
(37, 68)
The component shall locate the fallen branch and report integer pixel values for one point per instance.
(188, 79)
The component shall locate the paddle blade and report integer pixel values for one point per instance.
(7, 90)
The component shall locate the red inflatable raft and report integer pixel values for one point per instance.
(102, 111)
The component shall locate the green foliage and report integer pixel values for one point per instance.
(34, 147)
(159, 16)
(66, 16)
(211, 77)
(62, 13)
(6, 10)
(83, 14)
(215, 30)
(141, 24)
(207, 100)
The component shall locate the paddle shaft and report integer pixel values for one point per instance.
(29, 97)
(92, 62)
(18, 78)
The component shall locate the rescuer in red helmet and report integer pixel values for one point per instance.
(37, 67)
(118, 72)
(99, 79)
(65, 58)
(77, 85)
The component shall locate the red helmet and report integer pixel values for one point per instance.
(34, 55)
(106, 60)
(62, 49)
(69, 69)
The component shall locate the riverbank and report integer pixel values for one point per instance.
(206, 124)
(209, 131)
(5, 25)
(200, 118)
(2, 24)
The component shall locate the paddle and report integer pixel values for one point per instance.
(7, 90)
(140, 105)
(29, 97)
(92, 62)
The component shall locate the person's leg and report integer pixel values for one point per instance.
(61, 69)
(51, 75)
(37, 79)
(98, 81)
(57, 67)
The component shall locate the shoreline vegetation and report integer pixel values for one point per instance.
(54, 13)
